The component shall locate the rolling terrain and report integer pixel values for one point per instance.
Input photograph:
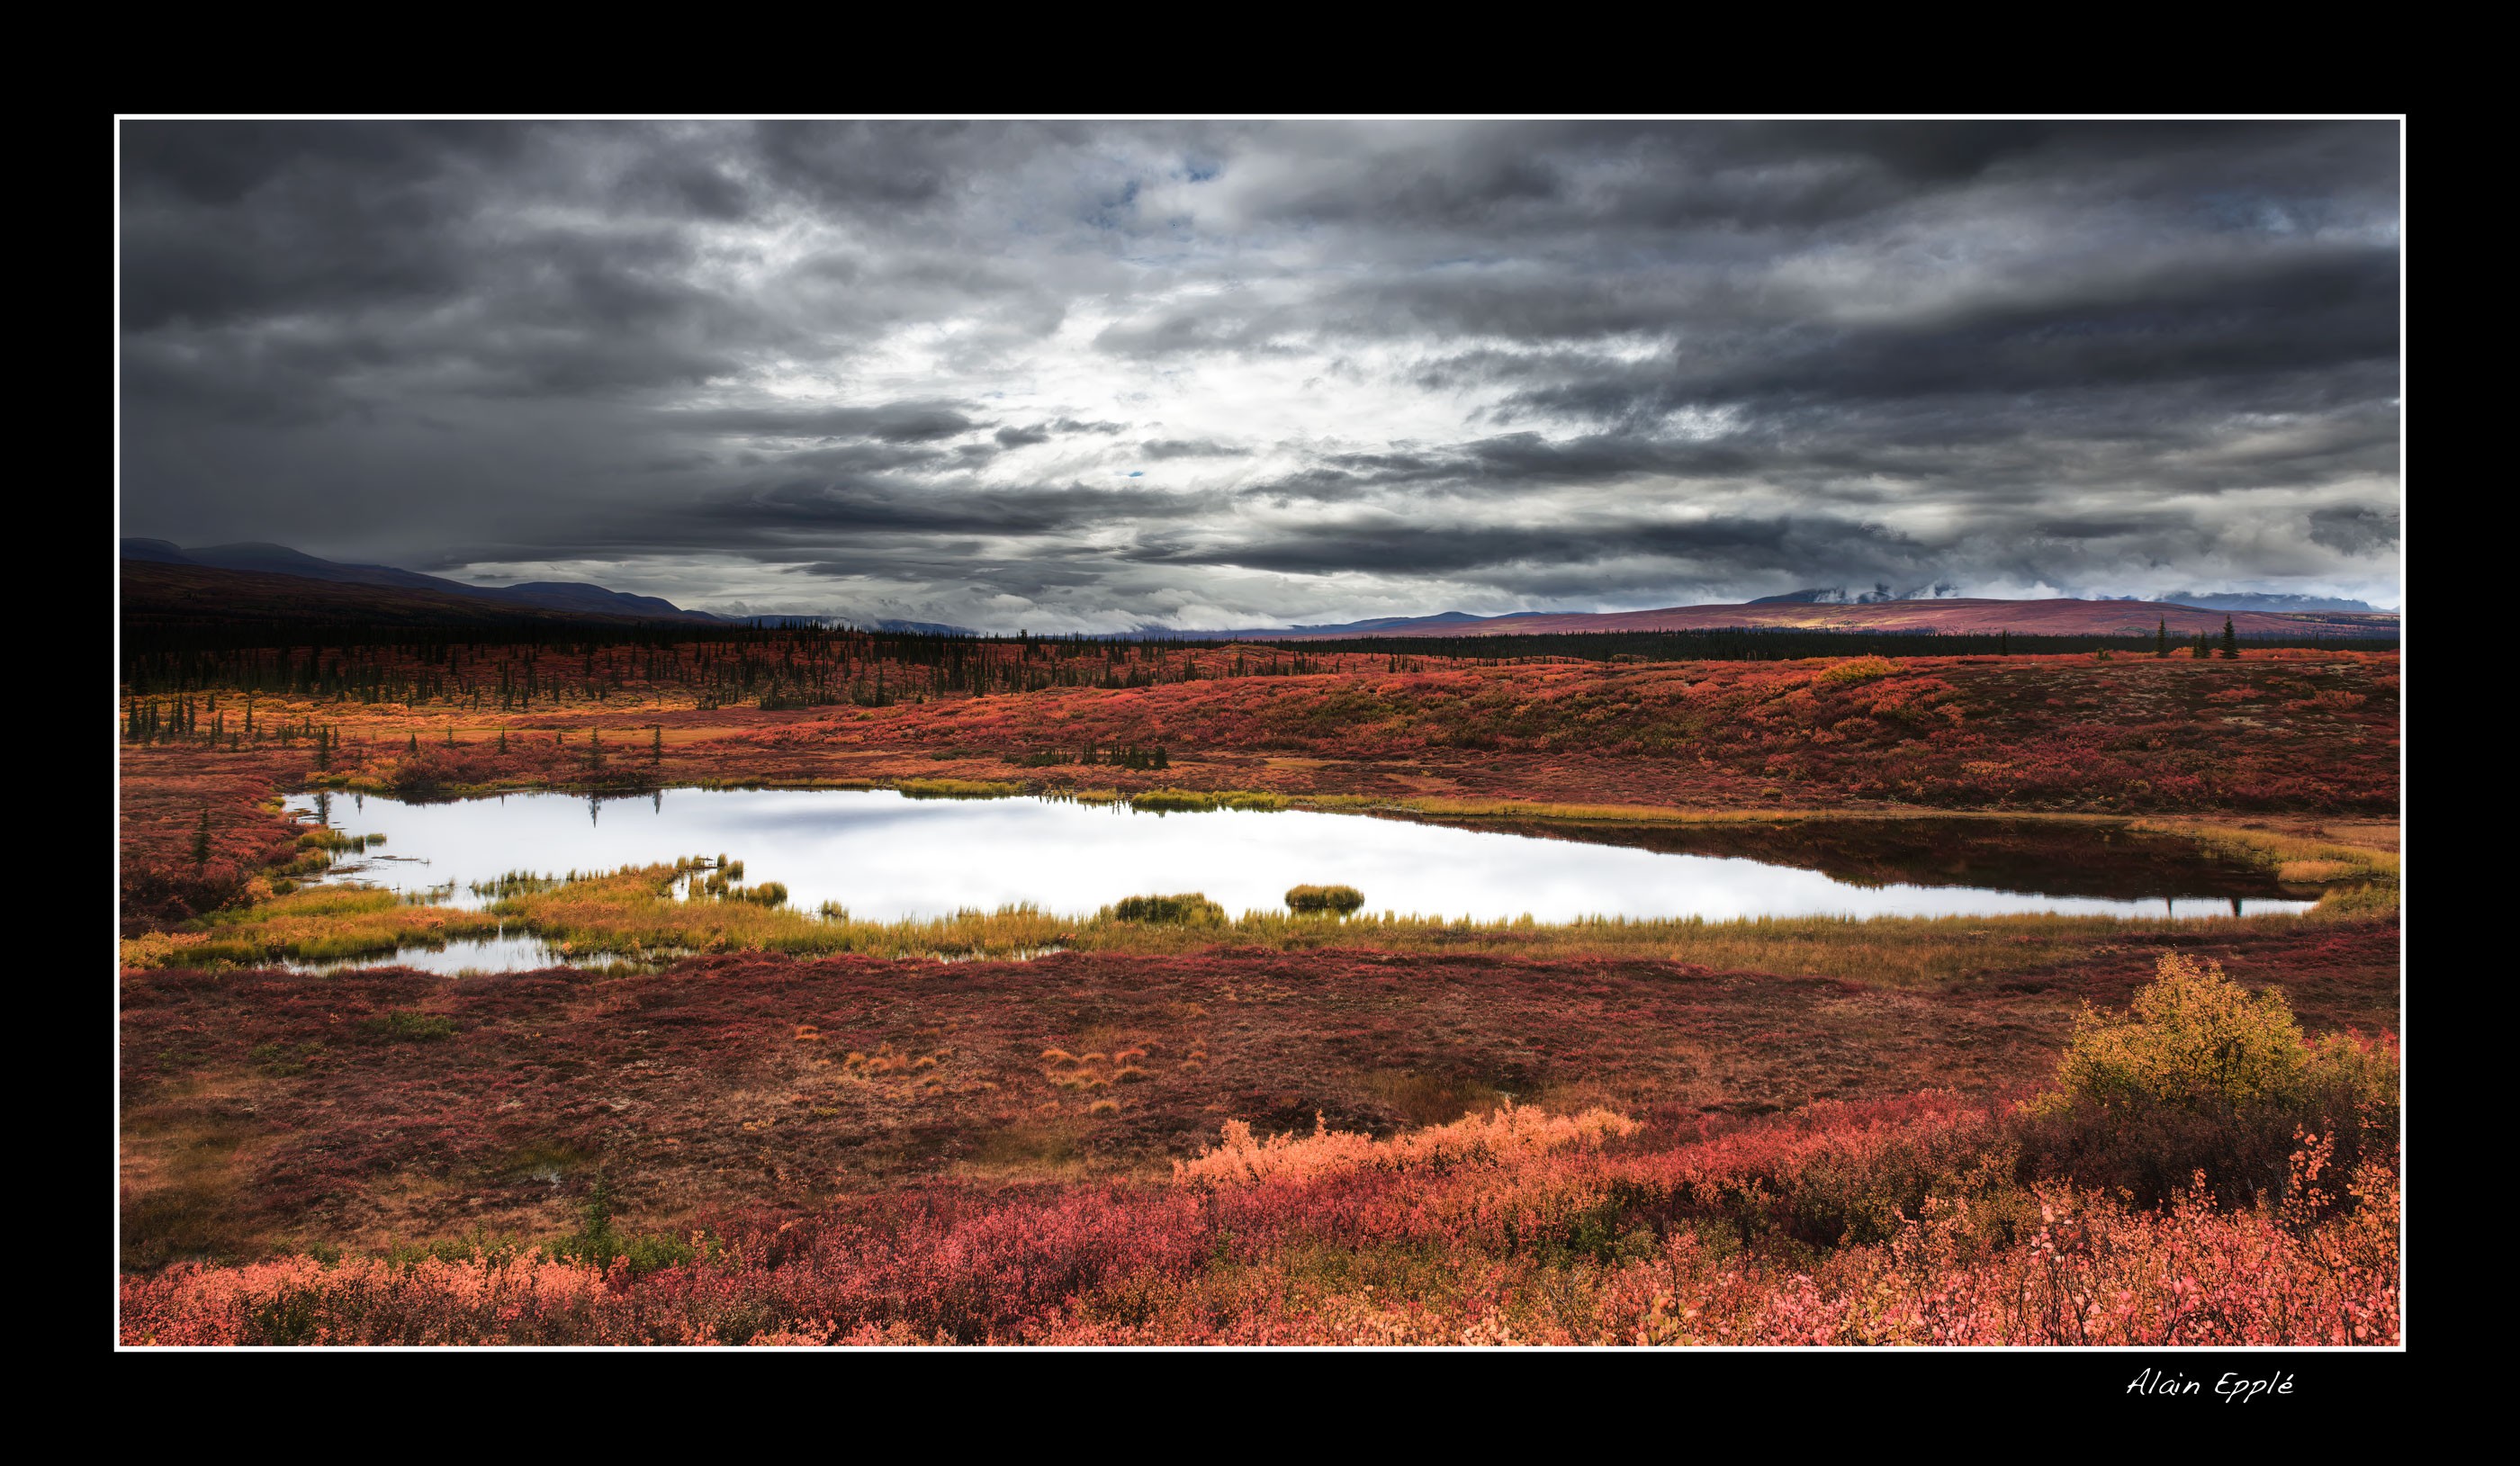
(1289, 1130)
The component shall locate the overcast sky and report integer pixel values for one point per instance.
(1092, 376)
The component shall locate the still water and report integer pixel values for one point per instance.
(884, 857)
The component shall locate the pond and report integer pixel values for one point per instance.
(885, 857)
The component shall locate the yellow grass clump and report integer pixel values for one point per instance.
(1503, 1137)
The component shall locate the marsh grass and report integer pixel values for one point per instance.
(1897, 952)
(1193, 801)
(957, 789)
(1890, 951)
(2361, 879)
(321, 923)
(634, 914)
(634, 911)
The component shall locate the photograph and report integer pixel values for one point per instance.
(1218, 735)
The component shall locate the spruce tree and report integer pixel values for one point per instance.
(415, 745)
(2230, 642)
(202, 839)
(2161, 639)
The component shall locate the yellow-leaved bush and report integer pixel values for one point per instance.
(2194, 1039)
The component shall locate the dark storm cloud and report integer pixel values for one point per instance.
(1095, 375)
(864, 509)
(893, 421)
(2354, 530)
(1400, 546)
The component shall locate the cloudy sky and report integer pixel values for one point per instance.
(1092, 376)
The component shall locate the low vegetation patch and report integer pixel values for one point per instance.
(407, 1026)
(1339, 900)
(1190, 908)
(2202, 1078)
(1861, 669)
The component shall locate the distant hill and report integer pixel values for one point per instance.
(257, 557)
(162, 592)
(2056, 617)
(159, 551)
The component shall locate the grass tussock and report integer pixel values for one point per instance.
(1335, 900)
(1187, 909)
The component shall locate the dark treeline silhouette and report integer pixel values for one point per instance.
(541, 664)
(526, 664)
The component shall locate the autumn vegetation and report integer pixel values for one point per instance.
(2192, 1171)
(741, 1121)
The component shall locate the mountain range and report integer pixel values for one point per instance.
(259, 579)
(257, 557)
(2212, 601)
(1947, 613)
